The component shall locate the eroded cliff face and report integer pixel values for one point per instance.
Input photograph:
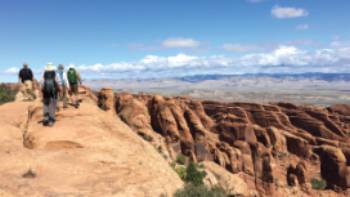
(272, 146)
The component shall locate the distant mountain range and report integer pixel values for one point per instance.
(314, 76)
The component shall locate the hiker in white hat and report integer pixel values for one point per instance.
(50, 90)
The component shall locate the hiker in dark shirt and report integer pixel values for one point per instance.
(50, 91)
(26, 79)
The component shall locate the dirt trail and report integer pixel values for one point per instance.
(88, 152)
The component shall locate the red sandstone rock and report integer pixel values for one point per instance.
(242, 137)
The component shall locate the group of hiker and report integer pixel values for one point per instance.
(56, 85)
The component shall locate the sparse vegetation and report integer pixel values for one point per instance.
(6, 95)
(193, 176)
(181, 159)
(191, 190)
(181, 171)
(318, 184)
(190, 174)
(282, 155)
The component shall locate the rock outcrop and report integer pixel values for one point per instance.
(258, 140)
(88, 152)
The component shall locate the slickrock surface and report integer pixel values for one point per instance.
(276, 148)
(89, 152)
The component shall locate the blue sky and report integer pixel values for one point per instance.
(152, 38)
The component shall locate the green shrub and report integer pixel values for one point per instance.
(318, 184)
(181, 159)
(7, 95)
(194, 175)
(191, 190)
(181, 171)
(173, 165)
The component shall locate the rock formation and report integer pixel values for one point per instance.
(273, 145)
(249, 149)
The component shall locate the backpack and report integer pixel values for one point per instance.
(49, 89)
(72, 76)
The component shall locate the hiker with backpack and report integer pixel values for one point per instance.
(26, 78)
(64, 85)
(50, 90)
(74, 82)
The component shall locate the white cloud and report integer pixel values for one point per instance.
(302, 27)
(293, 57)
(156, 63)
(288, 12)
(12, 70)
(236, 47)
(285, 58)
(284, 55)
(180, 43)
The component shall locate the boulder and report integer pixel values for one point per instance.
(106, 99)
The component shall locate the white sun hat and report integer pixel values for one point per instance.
(49, 67)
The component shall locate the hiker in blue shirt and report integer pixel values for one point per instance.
(64, 85)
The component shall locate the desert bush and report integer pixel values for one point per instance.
(194, 175)
(181, 159)
(181, 171)
(7, 95)
(318, 184)
(191, 190)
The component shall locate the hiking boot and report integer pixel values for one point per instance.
(52, 119)
(51, 123)
(46, 120)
